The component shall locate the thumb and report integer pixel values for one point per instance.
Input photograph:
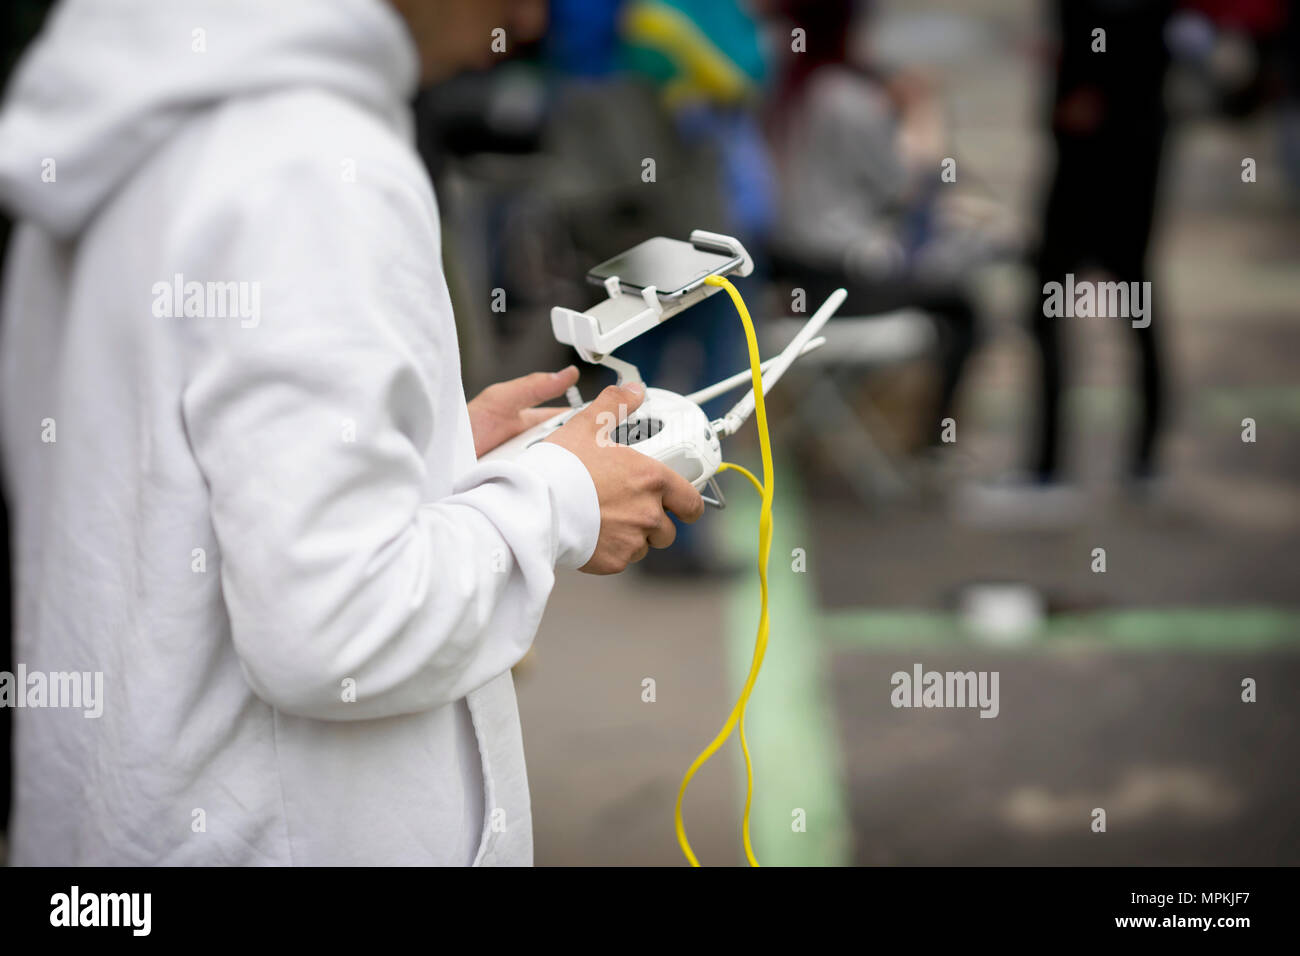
(608, 410)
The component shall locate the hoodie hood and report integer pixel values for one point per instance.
(107, 83)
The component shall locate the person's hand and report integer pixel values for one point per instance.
(501, 411)
(635, 491)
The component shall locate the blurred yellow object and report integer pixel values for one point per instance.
(706, 72)
(737, 716)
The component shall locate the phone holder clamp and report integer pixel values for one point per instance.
(623, 315)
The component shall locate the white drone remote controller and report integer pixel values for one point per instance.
(668, 427)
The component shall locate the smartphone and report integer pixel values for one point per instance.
(672, 266)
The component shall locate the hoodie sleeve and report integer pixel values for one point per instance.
(319, 419)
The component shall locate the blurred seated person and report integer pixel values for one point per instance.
(859, 156)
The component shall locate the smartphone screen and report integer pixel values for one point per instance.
(670, 265)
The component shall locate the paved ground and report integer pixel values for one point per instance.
(605, 765)
(1128, 699)
(1186, 772)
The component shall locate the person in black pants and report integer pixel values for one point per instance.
(1108, 122)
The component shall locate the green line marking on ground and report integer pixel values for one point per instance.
(790, 725)
(1160, 628)
(1100, 405)
(1278, 403)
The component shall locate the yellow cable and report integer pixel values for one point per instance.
(759, 651)
(737, 715)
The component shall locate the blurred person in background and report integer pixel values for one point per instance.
(1231, 57)
(859, 152)
(1108, 122)
(241, 466)
(1109, 116)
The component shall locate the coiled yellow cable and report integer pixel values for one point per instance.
(737, 715)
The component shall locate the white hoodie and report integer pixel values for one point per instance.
(266, 530)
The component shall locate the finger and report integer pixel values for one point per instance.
(680, 497)
(535, 416)
(541, 386)
(621, 401)
(663, 534)
(610, 407)
(600, 565)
